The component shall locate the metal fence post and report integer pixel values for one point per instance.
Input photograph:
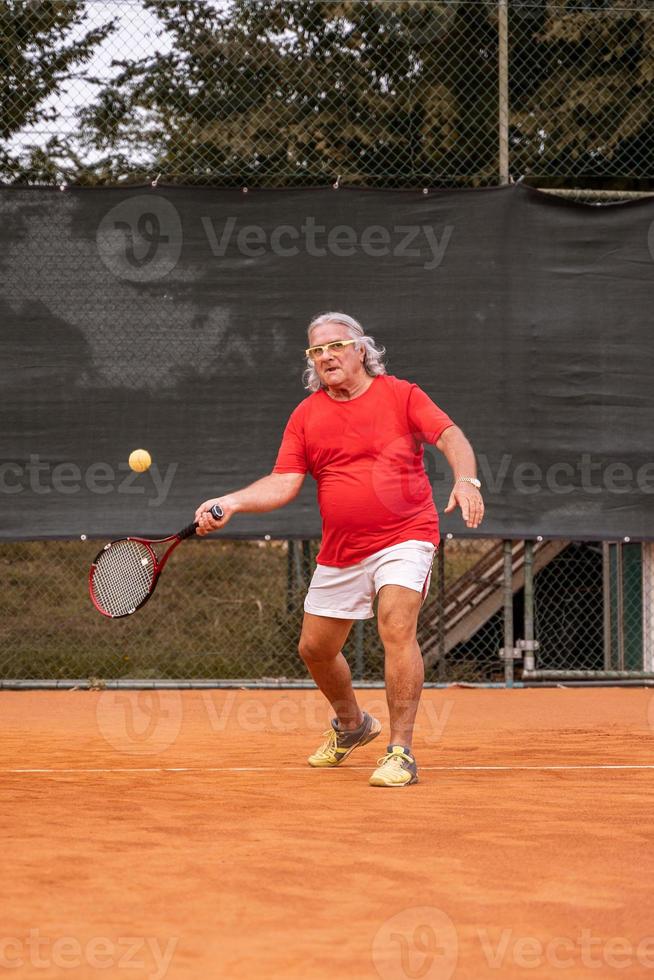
(290, 577)
(606, 597)
(529, 660)
(306, 563)
(442, 666)
(508, 613)
(619, 601)
(503, 88)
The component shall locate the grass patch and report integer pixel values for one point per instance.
(223, 609)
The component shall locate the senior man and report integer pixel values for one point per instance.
(360, 434)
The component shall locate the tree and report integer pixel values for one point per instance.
(297, 91)
(380, 92)
(582, 91)
(38, 54)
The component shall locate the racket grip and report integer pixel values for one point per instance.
(216, 512)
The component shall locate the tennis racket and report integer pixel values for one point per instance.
(125, 573)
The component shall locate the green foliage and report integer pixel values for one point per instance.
(582, 90)
(225, 609)
(298, 92)
(37, 55)
(380, 92)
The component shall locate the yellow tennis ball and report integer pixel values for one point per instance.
(140, 460)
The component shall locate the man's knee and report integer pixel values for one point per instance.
(397, 626)
(314, 652)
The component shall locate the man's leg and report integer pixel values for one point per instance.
(320, 646)
(397, 618)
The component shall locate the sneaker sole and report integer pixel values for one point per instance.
(373, 733)
(380, 782)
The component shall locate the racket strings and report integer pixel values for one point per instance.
(123, 577)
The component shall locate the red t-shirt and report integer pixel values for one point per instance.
(366, 456)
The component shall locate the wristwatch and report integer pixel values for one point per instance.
(470, 479)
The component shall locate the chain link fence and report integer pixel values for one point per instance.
(387, 93)
(378, 92)
(232, 610)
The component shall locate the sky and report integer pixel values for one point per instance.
(138, 33)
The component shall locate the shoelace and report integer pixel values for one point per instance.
(329, 744)
(394, 758)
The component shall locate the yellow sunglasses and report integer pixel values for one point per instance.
(336, 346)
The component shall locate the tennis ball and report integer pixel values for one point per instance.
(140, 460)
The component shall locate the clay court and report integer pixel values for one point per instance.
(181, 834)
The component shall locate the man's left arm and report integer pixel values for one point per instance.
(459, 454)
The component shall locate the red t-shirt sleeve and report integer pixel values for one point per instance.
(292, 456)
(426, 419)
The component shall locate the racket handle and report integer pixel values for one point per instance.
(187, 532)
(216, 512)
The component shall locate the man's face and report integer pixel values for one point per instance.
(336, 368)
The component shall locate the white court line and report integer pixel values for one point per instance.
(307, 769)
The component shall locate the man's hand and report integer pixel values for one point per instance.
(268, 493)
(206, 521)
(469, 499)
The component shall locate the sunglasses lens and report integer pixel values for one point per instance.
(336, 347)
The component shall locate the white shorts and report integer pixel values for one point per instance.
(348, 593)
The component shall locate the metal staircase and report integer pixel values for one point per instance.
(472, 599)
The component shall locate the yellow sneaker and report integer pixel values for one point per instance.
(396, 768)
(338, 744)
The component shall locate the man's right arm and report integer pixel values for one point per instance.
(269, 493)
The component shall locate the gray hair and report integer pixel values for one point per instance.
(372, 360)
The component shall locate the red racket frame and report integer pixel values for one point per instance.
(158, 566)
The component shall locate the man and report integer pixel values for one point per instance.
(360, 434)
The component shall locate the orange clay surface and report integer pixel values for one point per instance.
(181, 834)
